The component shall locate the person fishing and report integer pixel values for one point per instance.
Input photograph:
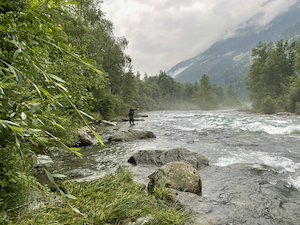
(130, 114)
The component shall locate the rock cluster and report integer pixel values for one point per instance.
(162, 157)
(130, 135)
(177, 175)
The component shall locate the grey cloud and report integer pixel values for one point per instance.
(161, 33)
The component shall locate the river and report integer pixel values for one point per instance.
(270, 143)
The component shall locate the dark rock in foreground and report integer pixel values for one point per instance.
(162, 157)
(130, 135)
(177, 175)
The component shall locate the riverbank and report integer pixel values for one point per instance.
(114, 199)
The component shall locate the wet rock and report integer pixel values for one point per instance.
(140, 115)
(130, 135)
(84, 138)
(242, 194)
(162, 157)
(124, 119)
(177, 175)
(142, 220)
(284, 114)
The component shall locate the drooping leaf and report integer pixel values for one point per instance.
(99, 138)
(87, 115)
(70, 196)
(16, 128)
(88, 60)
(17, 52)
(98, 71)
(44, 6)
(34, 161)
(77, 211)
(50, 177)
(56, 78)
(75, 149)
(58, 175)
(58, 125)
(62, 87)
(32, 73)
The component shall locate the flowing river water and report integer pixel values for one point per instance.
(254, 172)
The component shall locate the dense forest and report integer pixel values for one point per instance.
(61, 67)
(273, 78)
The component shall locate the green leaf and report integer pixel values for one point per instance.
(50, 177)
(35, 108)
(20, 79)
(9, 122)
(73, 94)
(34, 161)
(34, 122)
(58, 125)
(87, 60)
(56, 78)
(58, 175)
(62, 87)
(36, 24)
(62, 193)
(98, 71)
(72, 3)
(99, 138)
(45, 92)
(87, 115)
(70, 196)
(17, 52)
(44, 6)
(75, 149)
(16, 128)
(32, 73)
(77, 211)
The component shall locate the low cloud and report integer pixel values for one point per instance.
(162, 33)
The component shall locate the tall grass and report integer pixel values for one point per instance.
(115, 199)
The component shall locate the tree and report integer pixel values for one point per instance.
(206, 96)
(31, 91)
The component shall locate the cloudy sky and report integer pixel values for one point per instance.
(162, 33)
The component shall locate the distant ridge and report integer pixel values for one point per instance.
(228, 62)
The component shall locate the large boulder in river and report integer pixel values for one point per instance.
(177, 175)
(130, 135)
(84, 138)
(162, 157)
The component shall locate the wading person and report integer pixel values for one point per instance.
(130, 114)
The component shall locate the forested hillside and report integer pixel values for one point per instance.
(228, 62)
(273, 79)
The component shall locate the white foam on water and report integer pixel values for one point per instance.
(294, 182)
(270, 127)
(280, 163)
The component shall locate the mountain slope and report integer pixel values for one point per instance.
(228, 62)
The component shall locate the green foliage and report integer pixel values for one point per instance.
(206, 97)
(268, 105)
(271, 74)
(113, 199)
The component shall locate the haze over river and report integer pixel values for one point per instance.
(263, 187)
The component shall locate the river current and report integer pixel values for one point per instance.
(225, 137)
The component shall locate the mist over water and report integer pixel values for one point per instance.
(223, 136)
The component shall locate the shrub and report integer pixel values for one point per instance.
(268, 105)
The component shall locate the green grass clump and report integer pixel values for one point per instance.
(115, 199)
